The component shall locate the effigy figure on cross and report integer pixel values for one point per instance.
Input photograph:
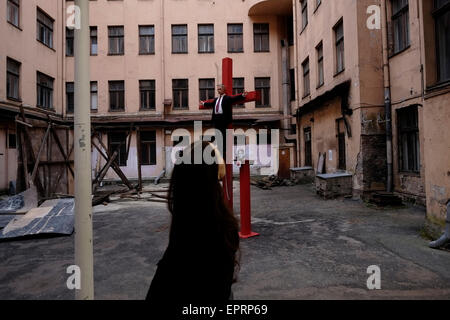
(222, 120)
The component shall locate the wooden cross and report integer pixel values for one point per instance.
(227, 81)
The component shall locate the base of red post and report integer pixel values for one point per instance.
(246, 236)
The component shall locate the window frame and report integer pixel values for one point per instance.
(43, 20)
(306, 71)
(44, 89)
(15, 74)
(338, 41)
(122, 146)
(261, 34)
(397, 16)
(148, 145)
(208, 36)
(180, 37)
(119, 40)
(262, 89)
(182, 93)
(16, 5)
(206, 88)
(437, 13)
(320, 65)
(70, 41)
(70, 97)
(92, 92)
(239, 35)
(410, 113)
(91, 37)
(238, 89)
(150, 40)
(150, 94)
(117, 95)
(304, 13)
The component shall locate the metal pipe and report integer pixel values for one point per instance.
(387, 98)
(446, 236)
(285, 86)
(82, 138)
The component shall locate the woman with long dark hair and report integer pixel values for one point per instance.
(200, 261)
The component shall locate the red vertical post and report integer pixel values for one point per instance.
(227, 81)
(246, 223)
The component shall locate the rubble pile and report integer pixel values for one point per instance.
(267, 183)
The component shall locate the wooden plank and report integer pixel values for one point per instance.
(138, 143)
(24, 159)
(62, 171)
(24, 123)
(36, 163)
(61, 149)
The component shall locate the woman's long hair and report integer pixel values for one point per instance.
(200, 217)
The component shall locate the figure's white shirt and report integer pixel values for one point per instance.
(218, 106)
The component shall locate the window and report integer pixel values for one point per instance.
(263, 85)
(147, 92)
(206, 89)
(70, 103)
(238, 88)
(116, 40)
(320, 72)
(290, 30)
(94, 41)
(148, 147)
(116, 95)
(400, 21)
(179, 39)
(205, 38)
(94, 96)
(69, 42)
(235, 38)
(339, 38)
(12, 142)
(146, 39)
(44, 91)
(304, 5)
(261, 37)
(306, 84)
(442, 21)
(13, 12)
(408, 139)
(180, 91)
(118, 142)
(12, 79)
(44, 28)
(292, 83)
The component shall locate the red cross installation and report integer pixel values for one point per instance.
(227, 81)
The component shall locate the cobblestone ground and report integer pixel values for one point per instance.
(308, 249)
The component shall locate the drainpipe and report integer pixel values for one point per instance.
(387, 98)
(285, 85)
(446, 236)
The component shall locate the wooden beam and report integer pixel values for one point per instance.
(61, 149)
(103, 172)
(36, 163)
(24, 123)
(114, 165)
(139, 151)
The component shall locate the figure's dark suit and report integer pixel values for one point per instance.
(221, 121)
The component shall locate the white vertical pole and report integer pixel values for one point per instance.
(84, 256)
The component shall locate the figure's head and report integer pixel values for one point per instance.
(221, 89)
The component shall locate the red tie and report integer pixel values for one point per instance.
(218, 103)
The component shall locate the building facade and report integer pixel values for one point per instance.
(317, 63)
